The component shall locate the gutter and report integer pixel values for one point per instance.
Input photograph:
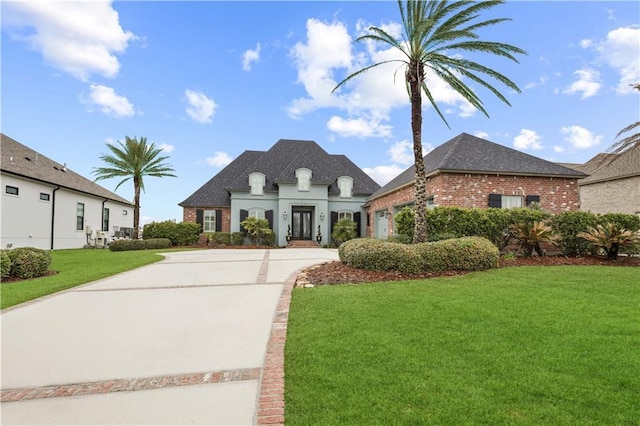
(53, 214)
(102, 215)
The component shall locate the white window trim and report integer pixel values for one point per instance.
(506, 205)
(257, 212)
(257, 182)
(345, 185)
(344, 213)
(211, 222)
(304, 179)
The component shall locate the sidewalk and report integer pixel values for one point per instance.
(182, 341)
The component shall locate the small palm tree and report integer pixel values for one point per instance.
(630, 141)
(610, 238)
(531, 234)
(435, 33)
(134, 159)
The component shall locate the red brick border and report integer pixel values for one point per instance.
(122, 385)
(271, 391)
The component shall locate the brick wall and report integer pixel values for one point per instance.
(472, 190)
(615, 196)
(189, 215)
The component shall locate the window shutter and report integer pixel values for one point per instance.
(495, 200)
(334, 219)
(269, 216)
(243, 215)
(368, 219)
(357, 218)
(532, 199)
(200, 218)
(218, 220)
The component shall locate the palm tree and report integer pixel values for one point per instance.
(627, 142)
(133, 159)
(435, 33)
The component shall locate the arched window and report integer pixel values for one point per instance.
(304, 179)
(345, 184)
(257, 212)
(256, 181)
(345, 214)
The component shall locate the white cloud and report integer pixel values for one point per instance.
(584, 43)
(166, 148)
(79, 38)
(358, 127)
(219, 159)
(401, 152)
(580, 137)
(109, 101)
(588, 83)
(250, 56)
(383, 174)
(481, 134)
(542, 80)
(527, 139)
(621, 50)
(558, 149)
(201, 108)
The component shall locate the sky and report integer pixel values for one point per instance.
(206, 80)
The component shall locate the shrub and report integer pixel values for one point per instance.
(28, 262)
(610, 238)
(237, 238)
(5, 264)
(530, 235)
(405, 223)
(379, 255)
(128, 245)
(219, 238)
(459, 254)
(568, 225)
(257, 229)
(180, 234)
(629, 222)
(344, 230)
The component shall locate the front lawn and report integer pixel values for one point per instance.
(75, 267)
(527, 345)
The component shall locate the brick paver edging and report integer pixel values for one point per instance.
(271, 392)
(122, 385)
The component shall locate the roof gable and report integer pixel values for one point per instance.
(470, 154)
(606, 167)
(21, 160)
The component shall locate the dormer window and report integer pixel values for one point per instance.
(304, 179)
(256, 181)
(345, 184)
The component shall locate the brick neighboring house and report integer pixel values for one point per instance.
(468, 171)
(295, 185)
(613, 185)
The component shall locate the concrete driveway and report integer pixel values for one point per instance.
(181, 341)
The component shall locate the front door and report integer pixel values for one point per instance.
(301, 224)
(381, 224)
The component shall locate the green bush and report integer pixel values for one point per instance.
(128, 245)
(459, 254)
(379, 255)
(5, 264)
(629, 222)
(180, 234)
(257, 229)
(237, 238)
(568, 225)
(405, 223)
(219, 238)
(28, 262)
(344, 230)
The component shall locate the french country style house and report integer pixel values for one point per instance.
(468, 171)
(299, 188)
(47, 205)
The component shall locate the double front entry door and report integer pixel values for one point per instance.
(301, 224)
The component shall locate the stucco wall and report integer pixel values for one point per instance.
(616, 196)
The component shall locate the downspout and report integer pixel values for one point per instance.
(53, 214)
(102, 214)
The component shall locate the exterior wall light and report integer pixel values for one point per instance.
(321, 215)
(284, 215)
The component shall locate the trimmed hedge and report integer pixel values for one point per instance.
(379, 255)
(5, 264)
(128, 245)
(219, 238)
(459, 254)
(237, 238)
(180, 234)
(27, 262)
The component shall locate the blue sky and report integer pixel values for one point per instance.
(208, 80)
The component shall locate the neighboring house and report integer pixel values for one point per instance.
(48, 206)
(613, 185)
(468, 171)
(295, 185)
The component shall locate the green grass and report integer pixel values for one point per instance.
(526, 346)
(75, 267)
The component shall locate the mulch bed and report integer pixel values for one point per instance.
(337, 272)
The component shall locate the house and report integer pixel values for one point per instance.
(614, 183)
(299, 188)
(48, 206)
(468, 171)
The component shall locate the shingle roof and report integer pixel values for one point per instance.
(279, 164)
(470, 154)
(23, 161)
(605, 168)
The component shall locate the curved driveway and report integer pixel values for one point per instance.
(181, 341)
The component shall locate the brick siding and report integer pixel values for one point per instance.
(614, 196)
(472, 190)
(189, 215)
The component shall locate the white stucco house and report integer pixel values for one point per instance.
(46, 205)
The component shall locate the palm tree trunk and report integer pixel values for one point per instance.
(136, 206)
(415, 75)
